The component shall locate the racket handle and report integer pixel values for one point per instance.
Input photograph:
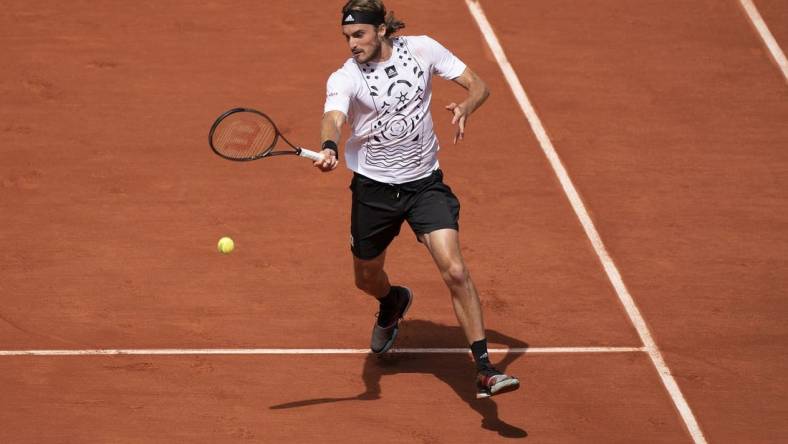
(309, 154)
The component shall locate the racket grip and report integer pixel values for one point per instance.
(309, 154)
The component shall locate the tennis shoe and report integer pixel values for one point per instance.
(491, 382)
(383, 336)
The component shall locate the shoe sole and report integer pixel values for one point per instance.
(505, 386)
(390, 342)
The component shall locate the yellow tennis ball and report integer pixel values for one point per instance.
(225, 245)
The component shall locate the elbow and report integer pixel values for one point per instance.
(484, 91)
(481, 86)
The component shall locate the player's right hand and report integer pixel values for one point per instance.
(329, 162)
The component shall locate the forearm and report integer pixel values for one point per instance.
(330, 129)
(477, 94)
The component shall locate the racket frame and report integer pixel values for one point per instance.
(297, 150)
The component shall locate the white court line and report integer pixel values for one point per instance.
(585, 220)
(766, 35)
(306, 351)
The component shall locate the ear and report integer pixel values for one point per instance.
(381, 30)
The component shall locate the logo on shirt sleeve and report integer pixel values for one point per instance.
(391, 71)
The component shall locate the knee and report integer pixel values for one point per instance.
(455, 275)
(366, 279)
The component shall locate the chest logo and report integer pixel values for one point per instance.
(391, 71)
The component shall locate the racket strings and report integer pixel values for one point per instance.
(244, 136)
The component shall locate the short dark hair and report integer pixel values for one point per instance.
(392, 23)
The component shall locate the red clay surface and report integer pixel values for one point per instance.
(671, 120)
(669, 117)
(331, 399)
(130, 205)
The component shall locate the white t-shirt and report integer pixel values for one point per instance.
(388, 109)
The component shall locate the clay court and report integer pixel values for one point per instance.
(635, 282)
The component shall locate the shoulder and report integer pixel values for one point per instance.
(425, 48)
(346, 77)
(347, 73)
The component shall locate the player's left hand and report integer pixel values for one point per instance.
(329, 161)
(460, 116)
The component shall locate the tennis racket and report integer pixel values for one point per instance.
(243, 134)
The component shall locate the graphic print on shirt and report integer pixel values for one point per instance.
(396, 138)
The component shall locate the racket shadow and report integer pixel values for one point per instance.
(455, 370)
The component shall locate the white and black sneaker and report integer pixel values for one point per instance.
(491, 382)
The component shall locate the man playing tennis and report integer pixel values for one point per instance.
(384, 92)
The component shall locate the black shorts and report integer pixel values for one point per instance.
(379, 209)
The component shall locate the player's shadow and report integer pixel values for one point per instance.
(456, 370)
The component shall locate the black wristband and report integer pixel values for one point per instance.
(331, 145)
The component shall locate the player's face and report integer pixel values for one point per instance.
(364, 41)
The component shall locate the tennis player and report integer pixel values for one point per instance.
(383, 91)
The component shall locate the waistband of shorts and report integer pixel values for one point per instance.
(436, 173)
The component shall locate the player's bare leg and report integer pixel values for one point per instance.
(444, 246)
(394, 301)
(370, 276)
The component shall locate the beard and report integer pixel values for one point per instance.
(372, 54)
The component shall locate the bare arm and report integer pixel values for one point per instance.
(330, 129)
(477, 94)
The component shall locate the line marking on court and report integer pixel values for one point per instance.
(308, 351)
(771, 44)
(585, 220)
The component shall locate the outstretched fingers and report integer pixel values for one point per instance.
(459, 117)
(460, 129)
